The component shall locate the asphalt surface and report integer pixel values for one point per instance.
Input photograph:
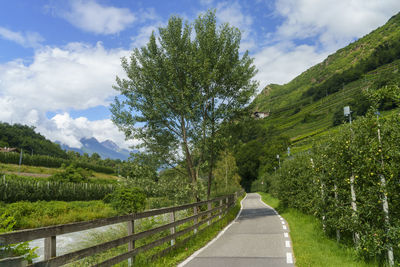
(258, 237)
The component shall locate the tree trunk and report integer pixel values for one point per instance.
(189, 161)
(211, 151)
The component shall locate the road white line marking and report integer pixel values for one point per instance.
(215, 239)
(286, 234)
(283, 223)
(287, 244)
(284, 227)
(289, 257)
(281, 218)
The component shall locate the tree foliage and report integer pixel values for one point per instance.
(127, 200)
(227, 179)
(180, 87)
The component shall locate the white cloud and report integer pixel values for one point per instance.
(143, 36)
(334, 22)
(147, 14)
(69, 131)
(77, 76)
(93, 17)
(206, 2)
(27, 39)
(232, 13)
(283, 62)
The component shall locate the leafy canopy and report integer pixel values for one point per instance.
(180, 87)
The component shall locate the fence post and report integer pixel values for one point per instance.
(49, 247)
(220, 210)
(131, 244)
(227, 204)
(173, 229)
(195, 220)
(209, 214)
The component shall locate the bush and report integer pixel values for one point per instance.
(127, 200)
(71, 174)
(7, 223)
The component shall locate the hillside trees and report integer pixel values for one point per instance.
(180, 88)
(387, 52)
(25, 137)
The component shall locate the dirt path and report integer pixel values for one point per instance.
(43, 175)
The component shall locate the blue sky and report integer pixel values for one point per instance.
(59, 59)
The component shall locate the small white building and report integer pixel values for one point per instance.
(260, 115)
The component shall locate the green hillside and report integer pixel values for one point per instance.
(310, 103)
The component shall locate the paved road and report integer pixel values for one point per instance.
(258, 237)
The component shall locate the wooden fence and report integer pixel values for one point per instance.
(214, 210)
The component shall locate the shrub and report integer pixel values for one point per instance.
(127, 200)
(71, 174)
(7, 223)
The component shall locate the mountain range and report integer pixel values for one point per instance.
(106, 149)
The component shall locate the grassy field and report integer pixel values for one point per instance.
(310, 245)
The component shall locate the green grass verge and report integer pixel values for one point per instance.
(45, 213)
(311, 246)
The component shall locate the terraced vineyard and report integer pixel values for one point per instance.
(302, 120)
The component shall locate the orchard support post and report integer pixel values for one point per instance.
(131, 244)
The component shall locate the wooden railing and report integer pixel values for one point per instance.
(216, 208)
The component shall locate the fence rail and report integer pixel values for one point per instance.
(216, 207)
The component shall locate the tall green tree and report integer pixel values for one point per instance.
(224, 79)
(180, 87)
